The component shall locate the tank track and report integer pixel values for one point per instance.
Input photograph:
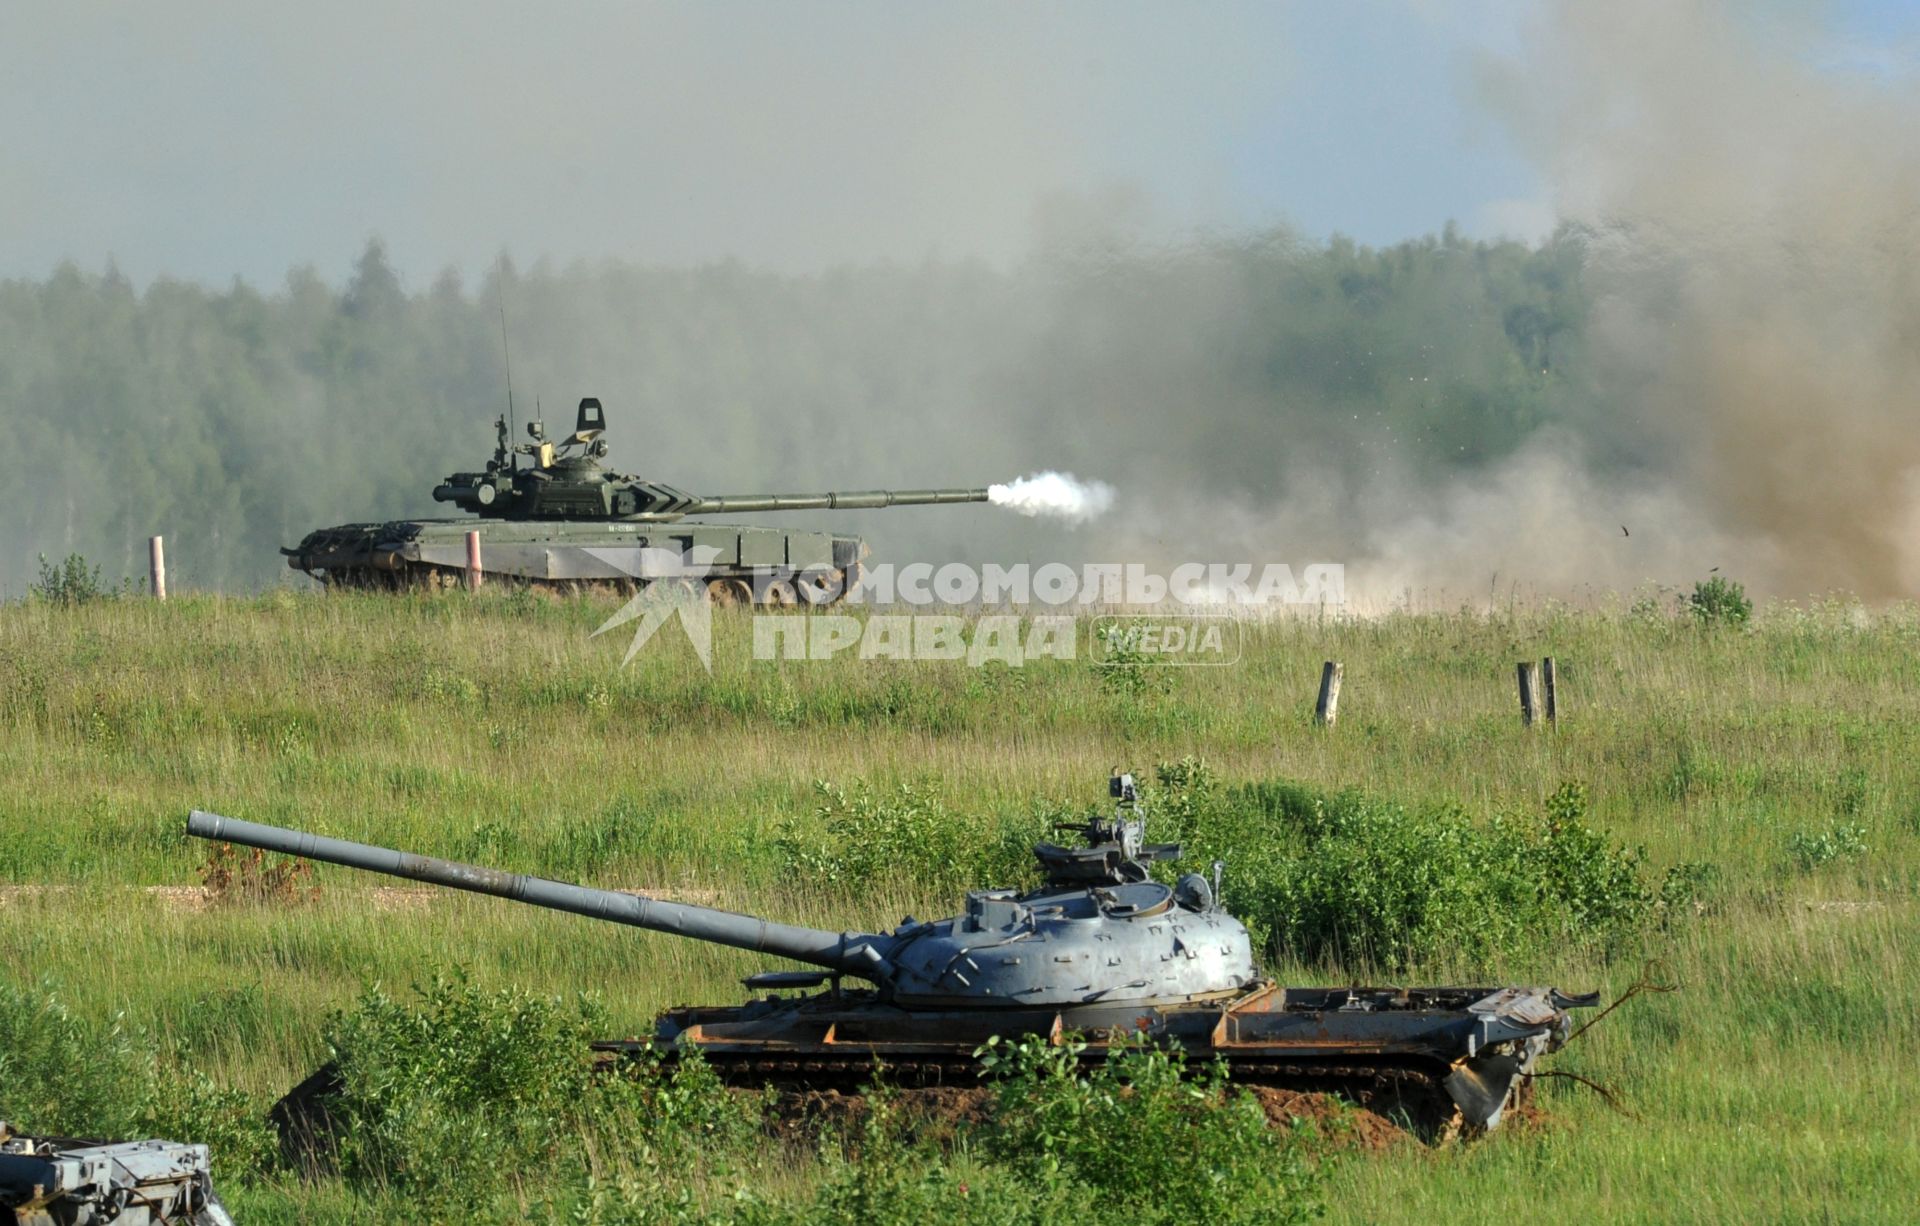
(1406, 1091)
(722, 592)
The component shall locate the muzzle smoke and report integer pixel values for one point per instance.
(1054, 495)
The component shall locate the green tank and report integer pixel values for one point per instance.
(562, 520)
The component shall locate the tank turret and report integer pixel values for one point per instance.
(565, 480)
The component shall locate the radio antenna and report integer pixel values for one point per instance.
(506, 352)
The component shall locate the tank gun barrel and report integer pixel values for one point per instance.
(858, 500)
(853, 953)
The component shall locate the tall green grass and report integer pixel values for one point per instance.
(1779, 761)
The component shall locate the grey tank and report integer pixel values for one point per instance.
(58, 1181)
(1099, 948)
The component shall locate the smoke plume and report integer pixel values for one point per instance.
(1054, 495)
(1741, 388)
(1748, 197)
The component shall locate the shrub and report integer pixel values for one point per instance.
(1345, 876)
(890, 1181)
(1812, 848)
(1196, 1149)
(65, 1076)
(60, 1075)
(1691, 887)
(1720, 601)
(435, 1100)
(1185, 790)
(1125, 668)
(677, 1107)
(455, 1098)
(72, 583)
(1596, 883)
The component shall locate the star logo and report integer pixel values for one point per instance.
(674, 585)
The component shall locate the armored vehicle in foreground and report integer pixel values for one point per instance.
(1100, 948)
(564, 521)
(48, 1181)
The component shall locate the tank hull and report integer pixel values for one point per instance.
(735, 563)
(1121, 960)
(1439, 1061)
(1440, 1055)
(55, 1181)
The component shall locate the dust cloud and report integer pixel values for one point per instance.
(1748, 200)
(1745, 397)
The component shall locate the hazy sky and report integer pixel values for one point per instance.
(209, 138)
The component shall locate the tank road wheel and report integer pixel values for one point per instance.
(726, 593)
(820, 587)
(779, 594)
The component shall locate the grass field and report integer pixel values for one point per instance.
(1770, 1087)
